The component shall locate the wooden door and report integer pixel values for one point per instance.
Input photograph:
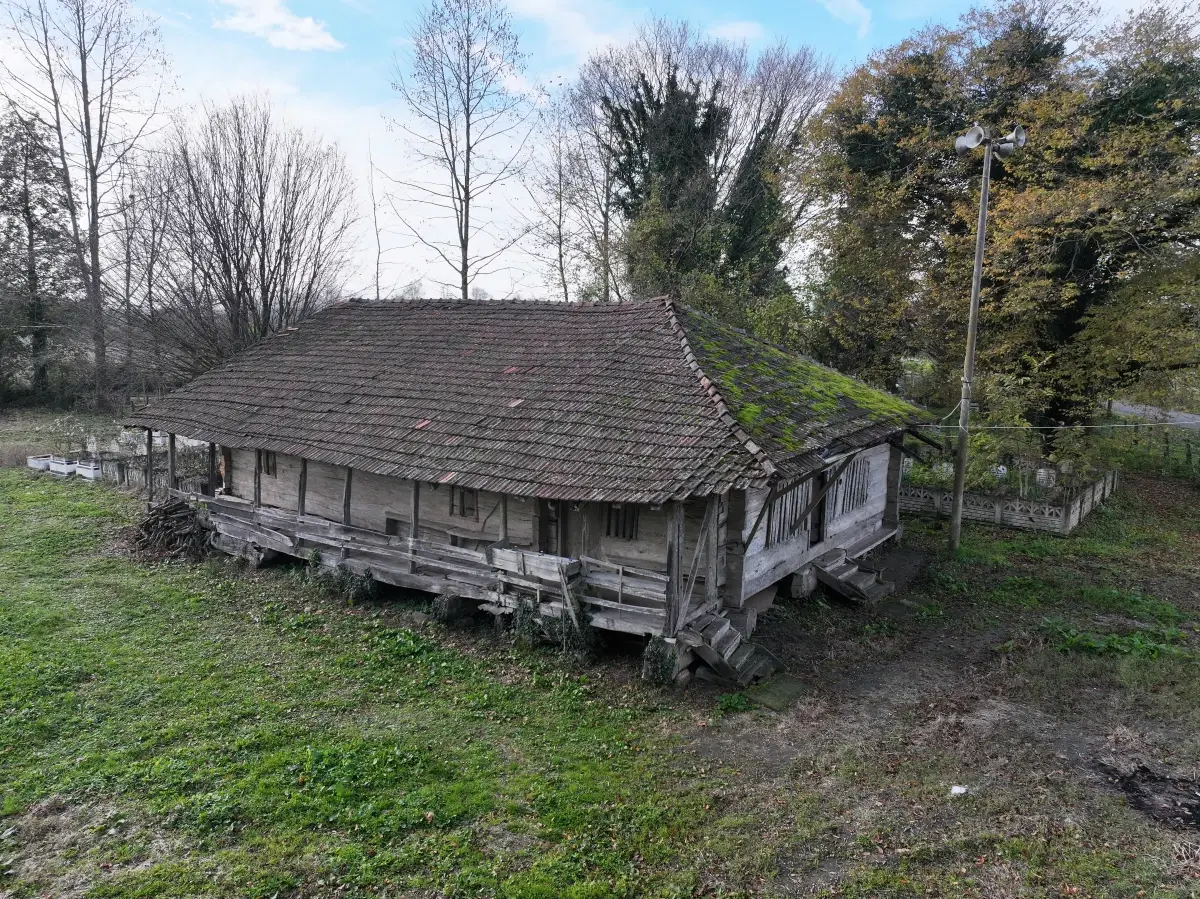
(552, 520)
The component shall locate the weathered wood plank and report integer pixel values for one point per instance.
(346, 489)
(257, 478)
(712, 552)
(675, 573)
(149, 466)
(301, 488)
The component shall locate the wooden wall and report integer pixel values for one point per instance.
(375, 498)
(745, 569)
(763, 565)
(650, 548)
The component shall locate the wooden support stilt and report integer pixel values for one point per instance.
(346, 496)
(171, 485)
(212, 469)
(675, 573)
(302, 489)
(149, 467)
(712, 551)
(414, 515)
(257, 478)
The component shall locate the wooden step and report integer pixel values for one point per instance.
(716, 629)
(831, 558)
(716, 662)
(844, 570)
(744, 620)
(741, 655)
(727, 642)
(758, 667)
(862, 579)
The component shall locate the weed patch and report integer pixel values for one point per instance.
(1143, 644)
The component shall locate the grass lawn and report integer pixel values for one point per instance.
(178, 729)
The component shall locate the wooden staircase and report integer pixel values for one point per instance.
(730, 657)
(851, 578)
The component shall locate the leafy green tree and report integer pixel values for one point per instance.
(1090, 224)
(722, 250)
(35, 271)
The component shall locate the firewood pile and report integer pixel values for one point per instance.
(172, 528)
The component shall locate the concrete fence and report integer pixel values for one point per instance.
(1058, 517)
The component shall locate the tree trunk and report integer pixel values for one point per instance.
(35, 308)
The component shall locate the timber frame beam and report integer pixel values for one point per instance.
(676, 599)
(346, 496)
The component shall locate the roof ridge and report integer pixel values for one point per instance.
(719, 404)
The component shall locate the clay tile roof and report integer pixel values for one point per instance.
(628, 402)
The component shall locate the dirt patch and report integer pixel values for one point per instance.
(65, 848)
(901, 565)
(1174, 801)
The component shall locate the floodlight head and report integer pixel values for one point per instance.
(965, 143)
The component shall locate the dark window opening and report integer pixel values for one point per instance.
(464, 502)
(268, 463)
(622, 521)
(394, 527)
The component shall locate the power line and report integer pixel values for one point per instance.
(1193, 426)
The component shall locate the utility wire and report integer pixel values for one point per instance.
(1194, 426)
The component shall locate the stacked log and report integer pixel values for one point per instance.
(172, 528)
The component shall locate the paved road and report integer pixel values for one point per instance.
(1187, 419)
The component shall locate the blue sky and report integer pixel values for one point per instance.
(327, 66)
(347, 48)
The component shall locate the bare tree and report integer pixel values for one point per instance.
(374, 218)
(553, 227)
(591, 171)
(769, 101)
(469, 128)
(250, 233)
(93, 71)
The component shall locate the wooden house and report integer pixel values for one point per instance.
(636, 465)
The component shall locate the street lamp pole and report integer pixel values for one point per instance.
(1004, 147)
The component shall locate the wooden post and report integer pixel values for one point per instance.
(504, 517)
(675, 573)
(346, 496)
(302, 489)
(735, 549)
(891, 508)
(712, 552)
(414, 516)
(149, 466)
(171, 485)
(212, 469)
(257, 478)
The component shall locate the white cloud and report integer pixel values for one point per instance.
(852, 12)
(739, 32)
(271, 19)
(576, 27)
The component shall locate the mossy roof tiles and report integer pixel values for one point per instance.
(629, 402)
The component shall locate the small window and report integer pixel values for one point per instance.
(268, 463)
(622, 521)
(394, 527)
(464, 503)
